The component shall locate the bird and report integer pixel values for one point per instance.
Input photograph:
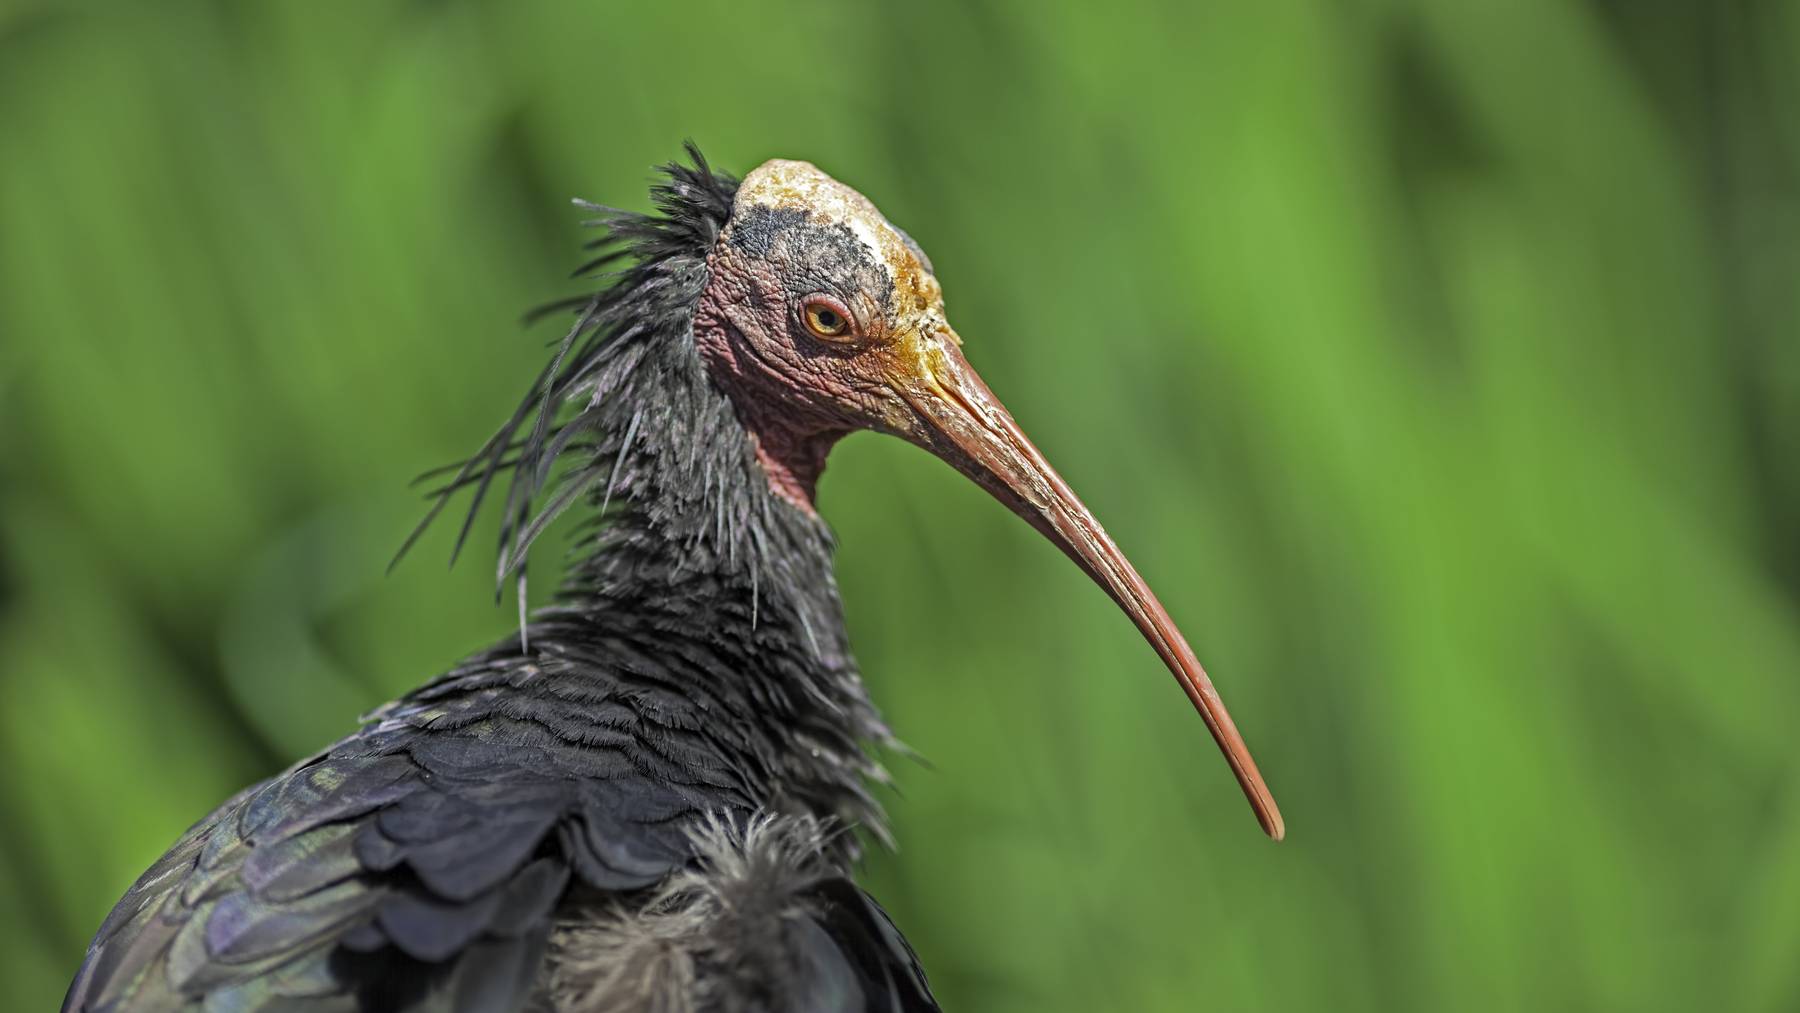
(655, 795)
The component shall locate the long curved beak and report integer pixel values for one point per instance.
(962, 422)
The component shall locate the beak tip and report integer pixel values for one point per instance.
(1268, 815)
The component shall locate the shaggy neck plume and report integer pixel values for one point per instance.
(708, 563)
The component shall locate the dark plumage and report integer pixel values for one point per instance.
(643, 801)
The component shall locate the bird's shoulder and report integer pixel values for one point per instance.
(423, 856)
(486, 822)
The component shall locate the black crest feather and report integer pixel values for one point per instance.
(564, 419)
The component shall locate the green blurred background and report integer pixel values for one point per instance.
(1438, 362)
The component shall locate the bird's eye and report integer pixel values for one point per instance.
(827, 319)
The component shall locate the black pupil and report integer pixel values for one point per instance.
(828, 319)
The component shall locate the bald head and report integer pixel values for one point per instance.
(817, 311)
(793, 197)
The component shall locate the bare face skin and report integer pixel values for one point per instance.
(821, 318)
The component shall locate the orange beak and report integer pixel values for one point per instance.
(962, 422)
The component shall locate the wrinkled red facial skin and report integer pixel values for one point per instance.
(797, 395)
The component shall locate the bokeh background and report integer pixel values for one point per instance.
(1438, 362)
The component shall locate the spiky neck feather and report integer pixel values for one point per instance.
(690, 534)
